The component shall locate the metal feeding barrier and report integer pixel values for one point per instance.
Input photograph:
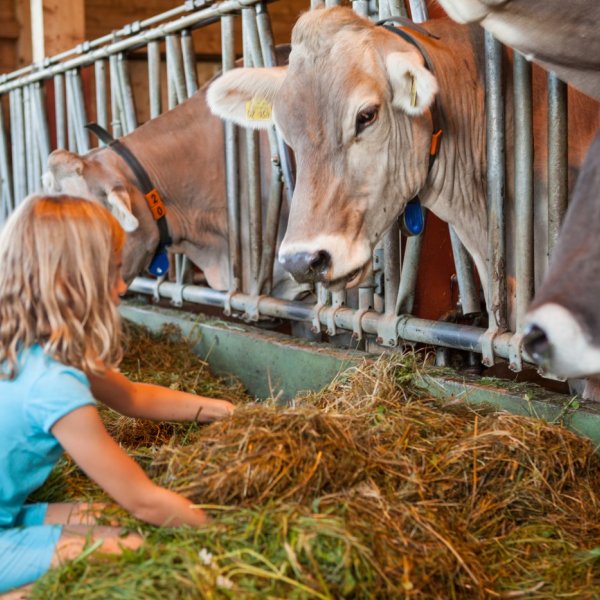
(381, 309)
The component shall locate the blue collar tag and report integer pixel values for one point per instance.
(160, 264)
(412, 221)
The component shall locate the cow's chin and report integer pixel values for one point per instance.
(350, 280)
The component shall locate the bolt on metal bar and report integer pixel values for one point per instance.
(231, 162)
(189, 62)
(59, 110)
(154, 79)
(557, 157)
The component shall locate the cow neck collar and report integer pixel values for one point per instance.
(160, 262)
(413, 211)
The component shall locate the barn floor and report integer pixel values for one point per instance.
(370, 488)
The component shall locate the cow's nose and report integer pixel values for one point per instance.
(536, 344)
(307, 266)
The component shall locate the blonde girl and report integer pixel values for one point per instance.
(60, 284)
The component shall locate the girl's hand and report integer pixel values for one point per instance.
(212, 409)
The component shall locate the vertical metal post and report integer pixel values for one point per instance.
(175, 76)
(496, 259)
(154, 78)
(59, 110)
(391, 267)
(231, 162)
(189, 62)
(251, 52)
(361, 7)
(30, 153)
(130, 120)
(17, 134)
(78, 110)
(523, 169)
(71, 120)
(101, 96)
(418, 10)
(405, 300)
(116, 98)
(557, 157)
(41, 128)
(468, 293)
(7, 199)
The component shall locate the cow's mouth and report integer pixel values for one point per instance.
(350, 280)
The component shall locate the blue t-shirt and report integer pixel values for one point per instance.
(44, 391)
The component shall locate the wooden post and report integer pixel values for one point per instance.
(56, 26)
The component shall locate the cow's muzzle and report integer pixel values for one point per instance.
(537, 345)
(307, 267)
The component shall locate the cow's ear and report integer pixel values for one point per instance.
(119, 203)
(65, 163)
(414, 87)
(245, 96)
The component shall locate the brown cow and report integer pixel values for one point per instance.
(182, 151)
(354, 105)
(562, 36)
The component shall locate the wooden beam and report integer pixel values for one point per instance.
(56, 26)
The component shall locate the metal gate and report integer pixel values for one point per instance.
(382, 316)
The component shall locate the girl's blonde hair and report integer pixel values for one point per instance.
(58, 267)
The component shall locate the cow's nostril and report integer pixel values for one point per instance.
(321, 262)
(536, 344)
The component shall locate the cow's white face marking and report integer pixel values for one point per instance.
(571, 354)
(465, 11)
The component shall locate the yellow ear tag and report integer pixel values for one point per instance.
(413, 91)
(258, 109)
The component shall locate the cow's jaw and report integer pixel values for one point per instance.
(556, 341)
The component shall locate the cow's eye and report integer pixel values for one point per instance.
(366, 117)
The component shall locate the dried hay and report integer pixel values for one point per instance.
(367, 490)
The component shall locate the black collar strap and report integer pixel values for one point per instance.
(412, 220)
(159, 263)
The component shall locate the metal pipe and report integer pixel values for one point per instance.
(496, 259)
(557, 157)
(81, 134)
(17, 131)
(405, 300)
(175, 71)
(231, 163)
(29, 139)
(8, 204)
(391, 267)
(468, 293)
(116, 99)
(418, 10)
(407, 328)
(127, 94)
(361, 7)
(251, 53)
(59, 110)
(154, 79)
(189, 62)
(101, 97)
(41, 129)
(523, 158)
(71, 123)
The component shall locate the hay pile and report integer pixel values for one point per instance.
(366, 490)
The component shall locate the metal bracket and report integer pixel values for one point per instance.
(227, 303)
(155, 286)
(387, 331)
(357, 331)
(330, 319)
(487, 346)
(252, 312)
(316, 322)
(515, 360)
(177, 297)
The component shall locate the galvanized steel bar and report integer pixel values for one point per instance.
(418, 10)
(30, 150)
(557, 157)
(17, 136)
(175, 74)
(101, 95)
(231, 163)
(405, 300)
(391, 267)
(361, 7)
(154, 79)
(116, 98)
(496, 261)
(59, 111)
(40, 128)
(81, 134)
(130, 119)
(189, 62)
(7, 199)
(252, 53)
(407, 328)
(467, 290)
(269, 242)
(523, 158)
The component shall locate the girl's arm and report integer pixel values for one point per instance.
(155, 402)
(82, 434)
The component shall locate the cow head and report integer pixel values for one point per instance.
(353, 105)
(93, 178)
(563, 323)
